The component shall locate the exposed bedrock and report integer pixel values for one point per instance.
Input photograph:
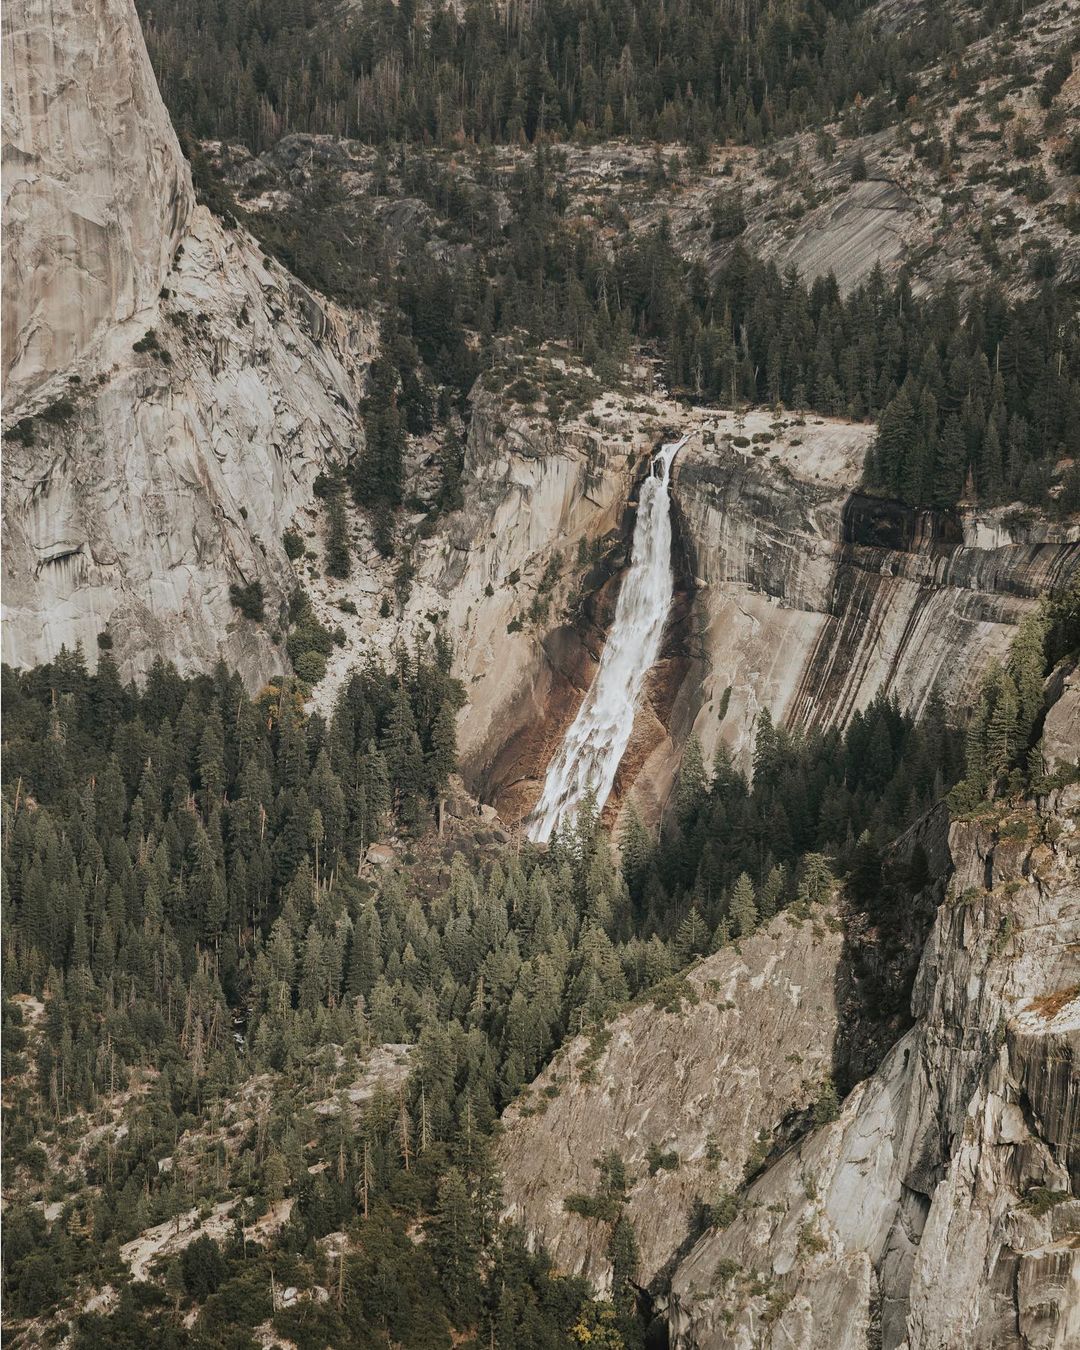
(696, 1075)
(717, 1072)
(527, 574)
(795, 592)
(96, 194)
(939, 1209)
(814, 596)
(162, 475)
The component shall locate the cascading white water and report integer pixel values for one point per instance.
(594, 745)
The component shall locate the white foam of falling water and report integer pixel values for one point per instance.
(594, 745)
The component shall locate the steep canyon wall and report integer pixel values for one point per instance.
(814, 596)
(173, 393)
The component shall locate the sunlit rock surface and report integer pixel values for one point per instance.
(814, 596)
(940, 1208)
(162, 476)
(742, 1045)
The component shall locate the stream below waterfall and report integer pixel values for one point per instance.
(592, 749)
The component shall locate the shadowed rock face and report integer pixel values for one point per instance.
(175, 469)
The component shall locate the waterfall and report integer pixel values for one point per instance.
(594, 745)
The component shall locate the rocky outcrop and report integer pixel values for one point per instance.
(1060, 742)
(870, 224)
(813, 597)
(939, 1209)
(798, 593)
(96, 195)
(173, 392)
(689, 1087)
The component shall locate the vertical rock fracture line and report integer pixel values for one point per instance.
(594, 745)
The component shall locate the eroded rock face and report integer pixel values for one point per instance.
(96, 194)
(814, 596)
(177, 467)
(939, 1209)
(1061, 731)
(741, 1047)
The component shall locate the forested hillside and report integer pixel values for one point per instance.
(691, 70)
(197, 968)
(977, 397)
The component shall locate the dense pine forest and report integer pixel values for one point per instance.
(184, 892)
(690, 70)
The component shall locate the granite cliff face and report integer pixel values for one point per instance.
(174, 392)
(940, 1208)
(695, 1074)
(534, 498)
(715, 1072)
(96, 193)
(813, 597)
(796, 593)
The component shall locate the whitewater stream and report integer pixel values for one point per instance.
(594, 745)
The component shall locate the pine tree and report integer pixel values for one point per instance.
(743, 907)
(635, 848)
(772, 893)
(693, 785)
(1003, 728)
(455, 1246)
(692, 937)
(442, 759)
(338, 552)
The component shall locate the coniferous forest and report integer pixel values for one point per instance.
(186, 914)
(976, 396)
(272, 973)
(689, 71)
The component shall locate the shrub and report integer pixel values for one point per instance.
(1041, 1200)
(723, 1211)
(293, 544)
(22, 431)
(310, 666)
(728, 216)
(249, 600)
(661, 1161)
(203, 1267)
(59, 411)
(605, 1206)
